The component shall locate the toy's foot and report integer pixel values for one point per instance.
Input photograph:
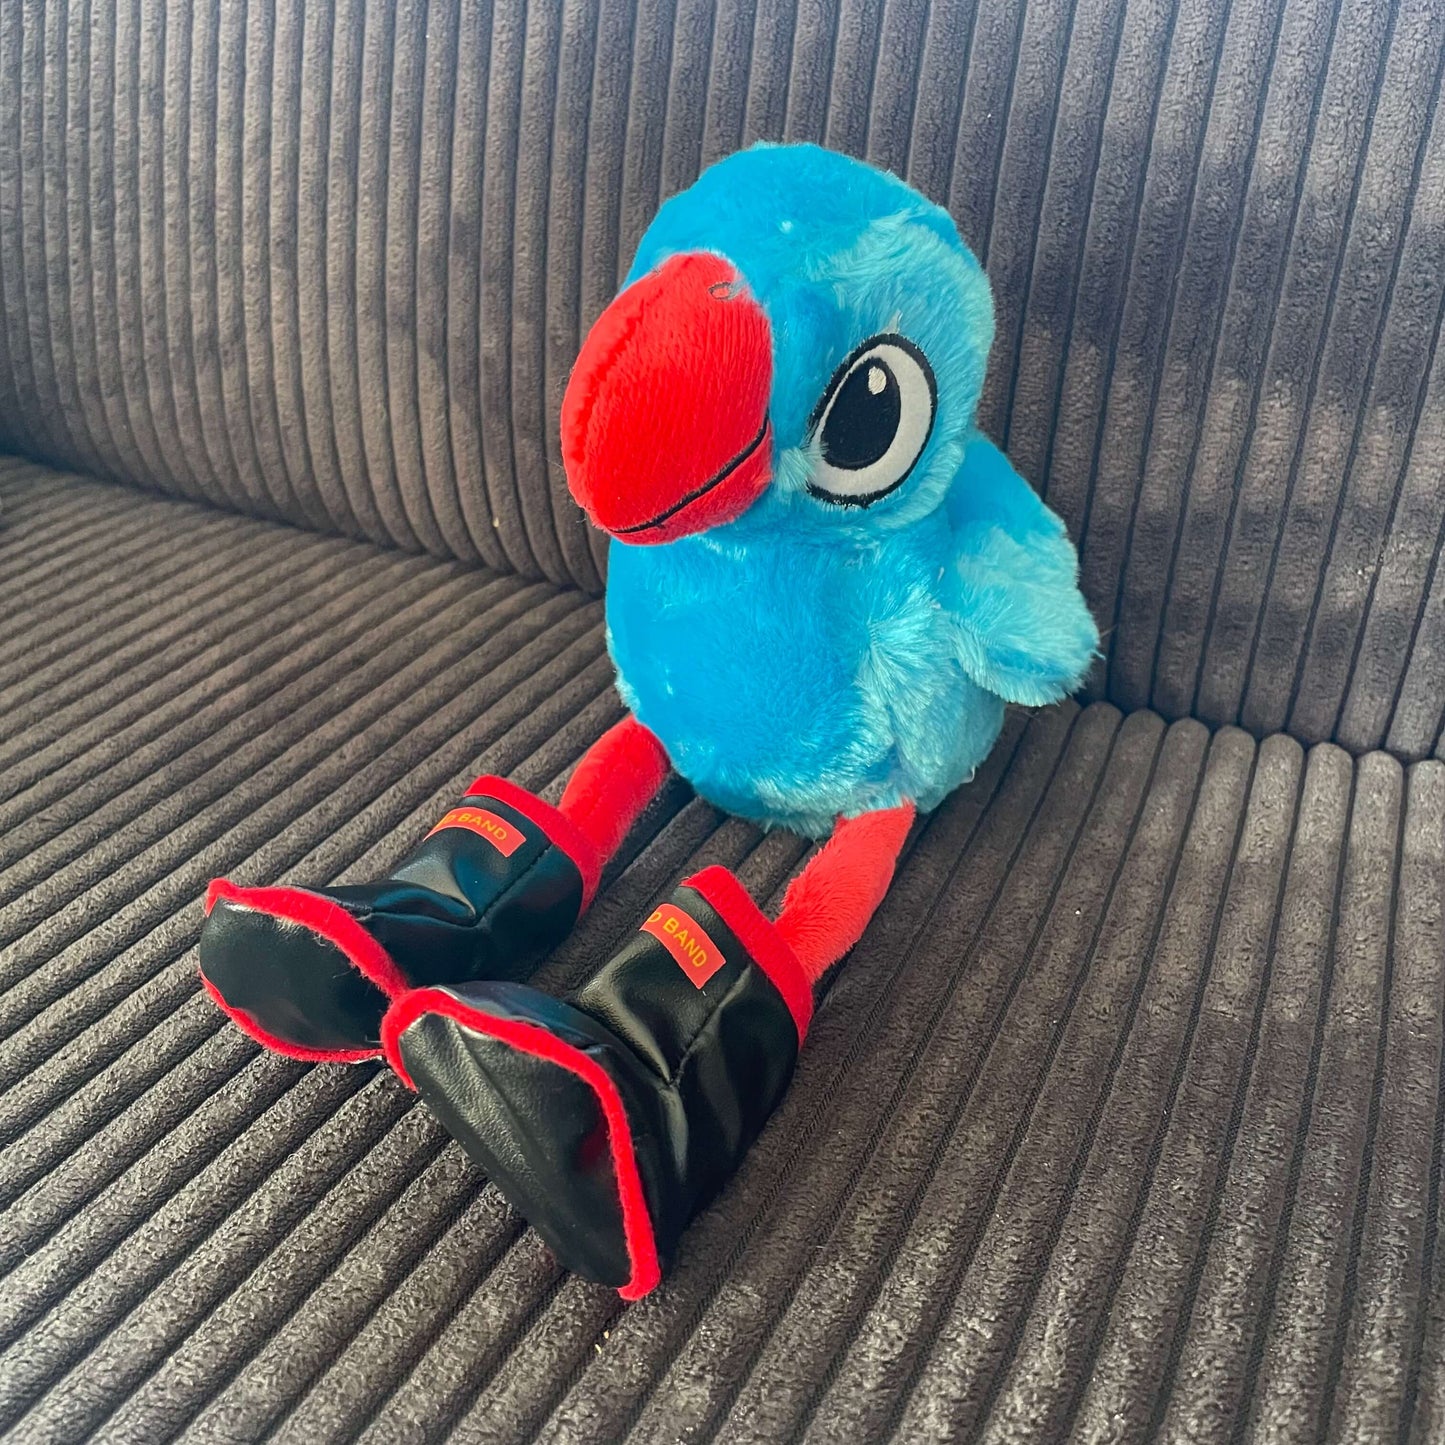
(310, 972)
(609, 1119)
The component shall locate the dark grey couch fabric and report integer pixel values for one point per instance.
(1124, 1121)
(332, 262)
(1112, 1125)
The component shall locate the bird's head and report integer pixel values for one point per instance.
(800, 345)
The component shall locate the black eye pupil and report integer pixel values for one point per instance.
(863, 419)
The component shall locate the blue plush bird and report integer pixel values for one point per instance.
(825, 581)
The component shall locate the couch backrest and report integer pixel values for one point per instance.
(333, 265)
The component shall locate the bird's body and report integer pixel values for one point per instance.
(809, 681)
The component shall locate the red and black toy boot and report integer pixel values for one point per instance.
(610, 1118)
(500, 880)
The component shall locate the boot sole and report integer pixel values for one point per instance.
(539, 1094)
(296, 972)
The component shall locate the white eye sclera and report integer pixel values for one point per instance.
(873, 421)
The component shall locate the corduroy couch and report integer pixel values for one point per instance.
(1125, 1118)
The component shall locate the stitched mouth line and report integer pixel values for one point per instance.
(703, 490)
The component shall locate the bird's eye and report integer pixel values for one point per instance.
(873, 422)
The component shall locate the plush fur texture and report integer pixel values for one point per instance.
(828, 905)
(811, 659)
(617, 778)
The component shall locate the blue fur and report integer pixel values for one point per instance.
(808, 660)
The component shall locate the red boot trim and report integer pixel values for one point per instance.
(536, 1041)
(759, 935)
(559, 828)
(253, 1030)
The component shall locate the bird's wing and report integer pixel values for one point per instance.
(1024, 630)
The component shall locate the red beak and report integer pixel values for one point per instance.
(665, 426)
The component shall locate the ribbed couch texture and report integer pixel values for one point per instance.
(1124, 1121)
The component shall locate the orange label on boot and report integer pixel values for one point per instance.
(505, 837)
(696, 954)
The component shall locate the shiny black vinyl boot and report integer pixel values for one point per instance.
(611, 1117)
(309, 972)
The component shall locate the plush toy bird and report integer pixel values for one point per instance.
(824, 586)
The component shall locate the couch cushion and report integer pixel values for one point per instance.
(331, 262)
(1110, 1124)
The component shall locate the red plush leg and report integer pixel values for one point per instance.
(618, 777)
(828, 905)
